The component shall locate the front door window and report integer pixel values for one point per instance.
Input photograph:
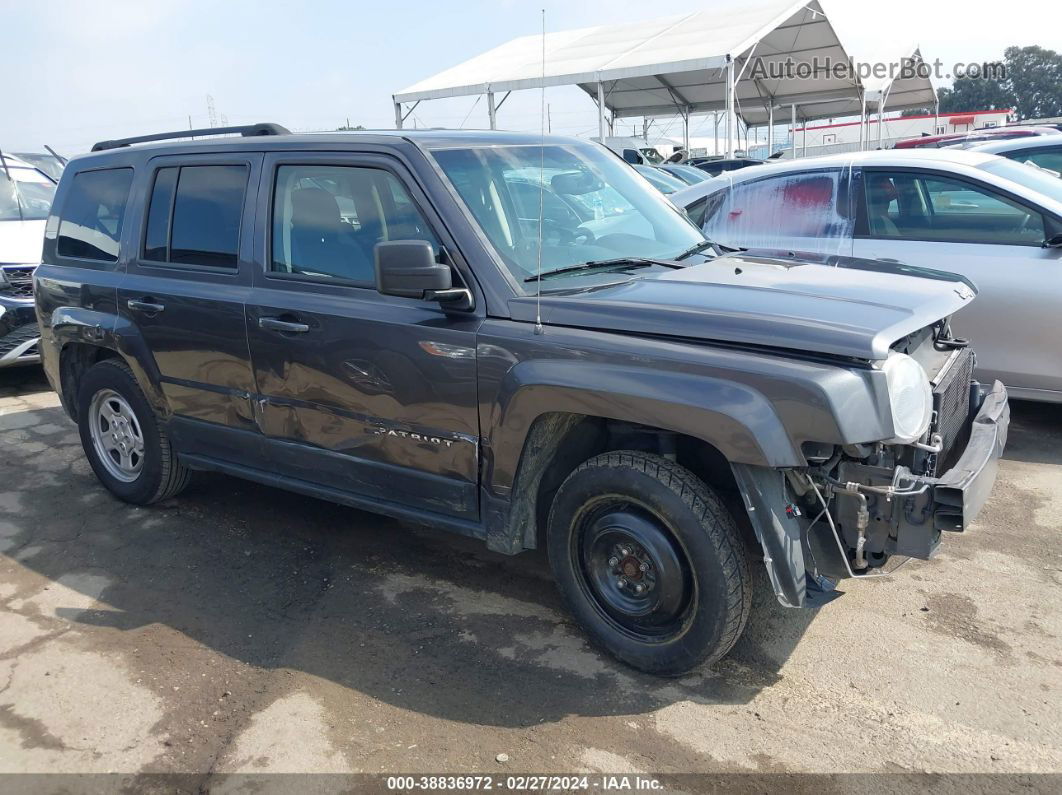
(328, 219)
(909, 206)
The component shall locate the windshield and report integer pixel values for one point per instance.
(26, 196)
(594, 207)
(1032, 178)
(49, 164)
(688, 174)
(661, 180)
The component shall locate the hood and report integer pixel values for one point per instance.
(840, 306)
(21, 242)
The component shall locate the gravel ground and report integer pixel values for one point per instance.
(242, 629)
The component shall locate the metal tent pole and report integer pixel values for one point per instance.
(492, 111)
(770, 130)
(881, 118)
(686, 131)
(715, 133)
(398, 115)
(601, 112)
(729, 107)
(792, 114)
(862, 121)
(936, 115)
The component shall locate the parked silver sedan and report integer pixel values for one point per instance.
(994, 220)
(1043, 152)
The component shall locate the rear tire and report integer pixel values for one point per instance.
(125, 445)
(649, 561)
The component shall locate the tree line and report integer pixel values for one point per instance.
(1030, 82)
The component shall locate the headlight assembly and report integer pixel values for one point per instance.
(910, 396)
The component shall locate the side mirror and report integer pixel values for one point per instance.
(1052, 232)
(408, 268)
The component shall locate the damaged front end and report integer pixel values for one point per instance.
(856, 507)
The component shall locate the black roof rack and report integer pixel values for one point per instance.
(247, 130)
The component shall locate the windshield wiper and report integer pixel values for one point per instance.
(626, 262)
(697, 249)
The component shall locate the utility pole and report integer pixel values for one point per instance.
(216, 119)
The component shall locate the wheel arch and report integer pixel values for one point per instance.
(732, 417)
(559, 442)
(85, 337)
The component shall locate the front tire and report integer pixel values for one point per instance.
(649, 561)
(125, 445)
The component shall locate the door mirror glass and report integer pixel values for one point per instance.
(407, 268)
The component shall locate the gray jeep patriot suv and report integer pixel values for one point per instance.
(520, 340)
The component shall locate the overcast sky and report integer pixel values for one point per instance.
(77, 72)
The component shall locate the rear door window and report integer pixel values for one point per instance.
(194, 216)
(90, 225)
(774, 212)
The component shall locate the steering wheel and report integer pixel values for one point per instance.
(585, 235)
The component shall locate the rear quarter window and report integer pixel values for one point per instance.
(91, 218)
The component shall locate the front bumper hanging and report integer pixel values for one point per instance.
(961, 492)
(804, 561)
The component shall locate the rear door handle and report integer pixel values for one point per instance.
(144, 306)
(276, 324)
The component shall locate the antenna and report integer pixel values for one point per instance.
(541, 182)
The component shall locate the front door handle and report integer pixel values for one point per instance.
(146, 305)
(276, 324)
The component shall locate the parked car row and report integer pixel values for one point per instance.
(995, 221)
(977, 136)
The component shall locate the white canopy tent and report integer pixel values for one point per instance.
(730, 59)
(905, 86)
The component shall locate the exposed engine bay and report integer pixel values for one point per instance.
(864, 504)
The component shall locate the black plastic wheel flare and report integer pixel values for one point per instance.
(634, 570)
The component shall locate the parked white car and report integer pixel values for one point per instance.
(993, 220)
(25, 200)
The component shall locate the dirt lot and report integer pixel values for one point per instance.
(243, 629)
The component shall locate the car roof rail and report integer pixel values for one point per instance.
(246, 130)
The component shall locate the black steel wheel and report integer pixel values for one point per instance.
(649, 561)
(632, 568)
